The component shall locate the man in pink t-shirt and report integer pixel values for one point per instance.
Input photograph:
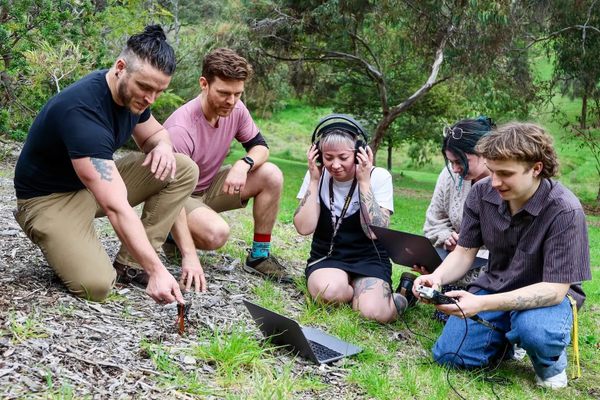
(203, 129)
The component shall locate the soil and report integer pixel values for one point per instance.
(53, 344)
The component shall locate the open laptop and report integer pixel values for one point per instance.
(310, 343)
(409, 249)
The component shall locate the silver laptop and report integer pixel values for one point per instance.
(310, 343)
(409, 249)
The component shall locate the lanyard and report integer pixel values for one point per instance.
(336, 221)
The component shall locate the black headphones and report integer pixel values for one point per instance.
(343, 123)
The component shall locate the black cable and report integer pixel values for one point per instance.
(413, 332)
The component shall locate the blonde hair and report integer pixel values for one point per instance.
(518, 141)
(337, 138)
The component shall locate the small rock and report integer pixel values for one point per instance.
(189, 360)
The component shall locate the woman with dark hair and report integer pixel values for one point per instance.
(463, 168)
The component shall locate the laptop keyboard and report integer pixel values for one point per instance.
(322, 352)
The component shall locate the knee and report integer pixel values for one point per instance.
(530, 338)
(377, 312)
(329, 292)
(211, 237)
(446, 352)
(187, 170)
(272, 176)
(93, 288)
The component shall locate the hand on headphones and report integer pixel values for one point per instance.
(364, 164)
(315, 170)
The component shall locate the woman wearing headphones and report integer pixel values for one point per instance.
(342, 194)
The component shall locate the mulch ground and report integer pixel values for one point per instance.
(54, 344)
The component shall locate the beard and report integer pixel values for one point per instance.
(126, 98)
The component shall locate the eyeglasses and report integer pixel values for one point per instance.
(456, 132)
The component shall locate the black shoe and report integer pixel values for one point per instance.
(126, 274)
(405, 287)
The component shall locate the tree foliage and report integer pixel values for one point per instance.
(385, 57)
(574, 42)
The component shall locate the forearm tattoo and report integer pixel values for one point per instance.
(103, 167)
(302, 202)
(372, 212)
(535, 300)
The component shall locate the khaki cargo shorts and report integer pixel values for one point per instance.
(214, 198)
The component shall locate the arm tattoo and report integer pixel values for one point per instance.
(103, 167)
(372, 213)
(534, 301)
(302, 202)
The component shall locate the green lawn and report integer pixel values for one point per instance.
(396, 360)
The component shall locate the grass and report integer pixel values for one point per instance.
(25, 327)
(395, 362)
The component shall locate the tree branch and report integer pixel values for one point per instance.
(558, 32)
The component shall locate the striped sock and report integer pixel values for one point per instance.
(261, 246)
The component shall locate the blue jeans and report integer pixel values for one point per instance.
(543, 332)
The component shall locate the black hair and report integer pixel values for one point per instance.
(462, 137)
(151, 46)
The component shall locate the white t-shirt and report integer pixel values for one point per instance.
(381, 184)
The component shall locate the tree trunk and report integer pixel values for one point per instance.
(583, 117)
(390, 148)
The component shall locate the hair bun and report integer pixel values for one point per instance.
(155, 31)
(487, 121)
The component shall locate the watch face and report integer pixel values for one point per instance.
(249, 161)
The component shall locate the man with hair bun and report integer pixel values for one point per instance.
(535, 231)
(204, 129)
(66, 175)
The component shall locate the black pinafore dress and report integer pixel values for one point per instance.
(353, 251)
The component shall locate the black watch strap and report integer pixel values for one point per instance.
(248, 160)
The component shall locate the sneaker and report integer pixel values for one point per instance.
(558, 381)
(518, 353)
(267, 267)
(405, 288)
(126, 274)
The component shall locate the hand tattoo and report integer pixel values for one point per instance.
(103, 167)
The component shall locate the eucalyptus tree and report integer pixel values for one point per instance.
(573, 40)
(387, 56)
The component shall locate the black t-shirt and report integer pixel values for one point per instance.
(81, 121)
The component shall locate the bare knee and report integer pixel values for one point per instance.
(271, 177)
(377, 312)
(210, 237)
(330, 292)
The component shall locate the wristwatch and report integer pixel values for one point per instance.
(248, 160)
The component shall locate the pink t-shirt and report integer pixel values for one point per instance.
(192, 135)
